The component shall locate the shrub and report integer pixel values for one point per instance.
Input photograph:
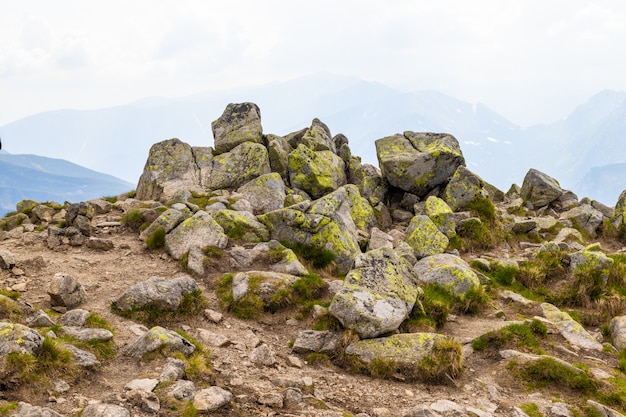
(193, 303)
(520, 336)
(444, 362)
(316, 256)
(248, 306)
(157, 239)
(549, 372)
(133, 219)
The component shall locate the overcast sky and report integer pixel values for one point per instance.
(532, 61)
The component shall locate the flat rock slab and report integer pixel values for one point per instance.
(570, 329)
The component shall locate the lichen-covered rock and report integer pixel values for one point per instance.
(586, 217)
(318, 137)
(377, 295)
(321, 341)
(441, 215)
(418, 162)
(424, 237)
(570, 329)
(262, 284)
(265, 193)
(162, 294)
(315, 172)
(200, 230)
(156, 338)
(65, 291)
(449, 271)
(347, 203)
(617, 327)
(104, 410)
(369, 179)
(278, 149)
(167, 221)
(619, 213)
(28, 410)
(296, 226)
(591, 259)
(239, 123)
(43, 213)
(405, 352)
(171, 166)
(463, 188)
(18, 338)
(242, 225)
(540, 189)
(236, 167)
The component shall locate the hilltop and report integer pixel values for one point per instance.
(280, 275)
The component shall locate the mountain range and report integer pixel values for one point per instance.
(585, 151)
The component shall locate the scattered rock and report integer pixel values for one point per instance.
(65, 291)
(211, 399)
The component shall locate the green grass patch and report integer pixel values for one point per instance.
(192, 304)
(316, 256)
(133, 219)
(157, 239)
(50, 361)
(532, 409)
(7, 407)
(248, 306)
(547, 372)
(520, 336)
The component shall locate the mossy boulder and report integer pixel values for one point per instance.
(424, 237)
(168, 220)
(449, 271)
(155, 292)
(318, 137)
(242, 225)
(570, 329)
(369, 179)
(586, 217)
(159, 338)
(295, 225)
(200, 230)
(419, 162)
(171, 166)
(279, 149)
(593, 259)
(347, 202)
(540, 189)
(263, 285)
(463, 188)
(415, 356)
(239, 123)
(18, 338)
(377, 295)
(315, 172)
(265, 193)
(441, 215)
(236, 167)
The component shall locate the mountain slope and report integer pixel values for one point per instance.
(46, 179)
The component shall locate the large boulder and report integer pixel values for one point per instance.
(266, 193)
(619, 214)
(424, 237)
(377, 295)
(238, 124)
(570, 329)
(279, 149)
(449, 271)
(65, 291)
(586, 217)
(18, 338)
(315, 172)
(242, 225)
(463, 188)
(370, 181)
(334, 233)
(318, 137)
(441, 215)
(159, 293)
(200, 230)
(171, 166)
(540, 189)
(406, 352)
(617, 327)
(594, 259)
(168, 220)
(348, 203)
(158, 338)
(236, 167)
(418, 162)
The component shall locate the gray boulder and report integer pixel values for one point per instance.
(449, 271)
(200, 230)
(265, 193)
(377, 295)
(323, 341)
(65, 291)
(18, 338)
(369, 179)
(104, 410)
(156, 292)
(82, 358)
(236, 167)
(158, 338)
(278, 149)
(315, 172)
(586, 217)
(239, 123)
(540, 189)
(418, 162)
(570, 329)
(463, 188)
(424, 237)
(242, 225)
(27, 410)
(211, 399)
(182, 390)
(168, 220)
(617, 327)
(7, 259)
(318, 137)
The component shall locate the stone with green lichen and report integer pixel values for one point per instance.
(441, 215)
(159, 293)
(586, 218)
(171, 165)
(159, 338)
(346, 201)
(402, 352)
(296, 225)
(449, 271)
(262, 284)
(369, 179)
(318, 137)
(238, 166)
(18, 338)
(377, 295)
(243, 223)
(540, 189)
(240, 122)
(315, 172)
(168, 220)
(619, 214)
(570, 329)
(424, 237)
(464, 187)
(265, 193)
(591, 259)
(200, 230)
(418, 162)
(279, 149)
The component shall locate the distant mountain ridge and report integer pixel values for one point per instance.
(117, 140)
(47, 179)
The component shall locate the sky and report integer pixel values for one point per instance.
(531, 61)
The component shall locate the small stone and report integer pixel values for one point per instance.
(211, 399)
(173, 370)
(213, 316)
(147, 401)
(263, 355)
(146, 384)
(213, 339)
(21, 287)
(294, 361)
(271, 399)
(17, 272)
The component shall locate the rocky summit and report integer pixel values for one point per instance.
(280, 276)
